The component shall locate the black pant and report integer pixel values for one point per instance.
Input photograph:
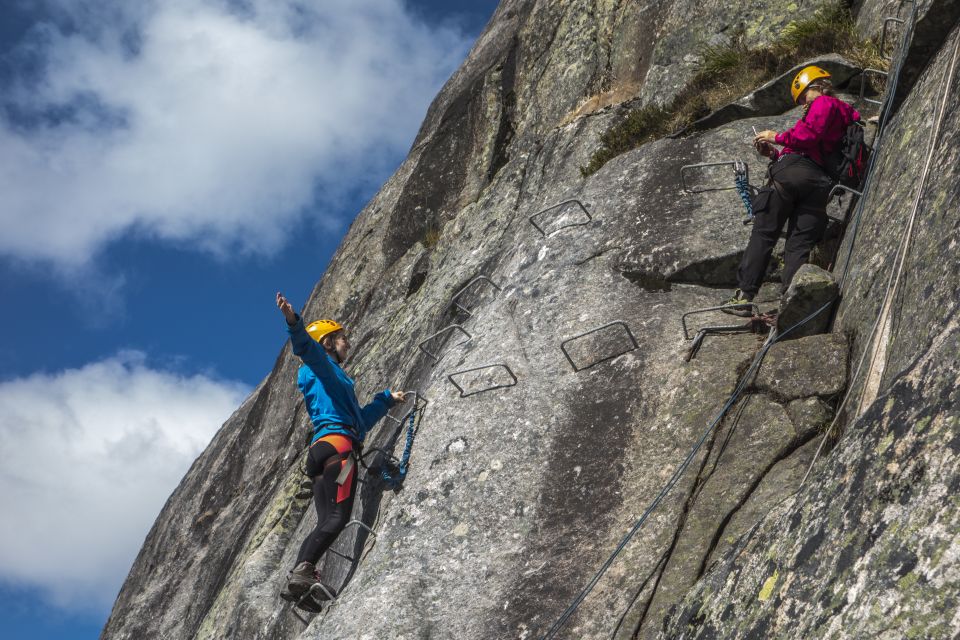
(323, 465)
(797, 193)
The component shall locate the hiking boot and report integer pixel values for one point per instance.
(743, 307)
(302, 578)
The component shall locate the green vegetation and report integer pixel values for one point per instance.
(432, 237)
(731, 70)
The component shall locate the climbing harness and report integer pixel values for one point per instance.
(742, 179)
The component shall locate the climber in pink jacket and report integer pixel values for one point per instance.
(799, 187)
(818, 132)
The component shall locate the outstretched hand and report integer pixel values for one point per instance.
(287, 309)
(768, 136)
(399, 396)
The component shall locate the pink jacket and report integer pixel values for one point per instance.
(820, 130)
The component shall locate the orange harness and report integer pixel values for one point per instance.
(344, 447)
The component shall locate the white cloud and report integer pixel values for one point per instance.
(87, 459)
(210, 122)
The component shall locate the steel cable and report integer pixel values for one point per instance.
(771, 340)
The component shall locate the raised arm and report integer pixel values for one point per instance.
(286, 309)
(305, 347)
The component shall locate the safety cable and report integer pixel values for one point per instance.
(893, 282)
(771, 340)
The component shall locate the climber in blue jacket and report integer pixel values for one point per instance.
(339, 426)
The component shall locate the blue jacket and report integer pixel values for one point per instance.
(328, 391)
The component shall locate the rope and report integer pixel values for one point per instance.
(743, 188)
(394, 480)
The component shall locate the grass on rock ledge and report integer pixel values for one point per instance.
(732, 70)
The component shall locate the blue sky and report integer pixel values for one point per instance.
(165, 167)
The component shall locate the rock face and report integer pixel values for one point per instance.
(517, 494)
(773, 98)
(868, 547)
(811, 289)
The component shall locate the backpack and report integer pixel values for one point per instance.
(847, 164)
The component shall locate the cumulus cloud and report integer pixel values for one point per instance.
(87, 459)
(212, 122)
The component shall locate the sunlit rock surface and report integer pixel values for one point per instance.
(516, 495)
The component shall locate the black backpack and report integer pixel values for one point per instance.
(847, 164)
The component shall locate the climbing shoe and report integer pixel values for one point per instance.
(739, 304)
(301, 578)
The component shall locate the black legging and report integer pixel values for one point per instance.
(798, 194)
(323, 466)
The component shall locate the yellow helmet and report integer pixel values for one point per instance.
(803, 79)
(321, 328)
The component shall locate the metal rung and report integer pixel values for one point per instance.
(683, 318)
(350, 559)
(309, 593)
(452, 327)
(736, 164)
(319, 586)
(883, 35)
(480, 368)
(371, 450)
(300, 617)
(582, 206)
(453, 300)
(702, 333)
(358, 524)
(840, 187)
(419, 402)
(563, 345)
(863, 84)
